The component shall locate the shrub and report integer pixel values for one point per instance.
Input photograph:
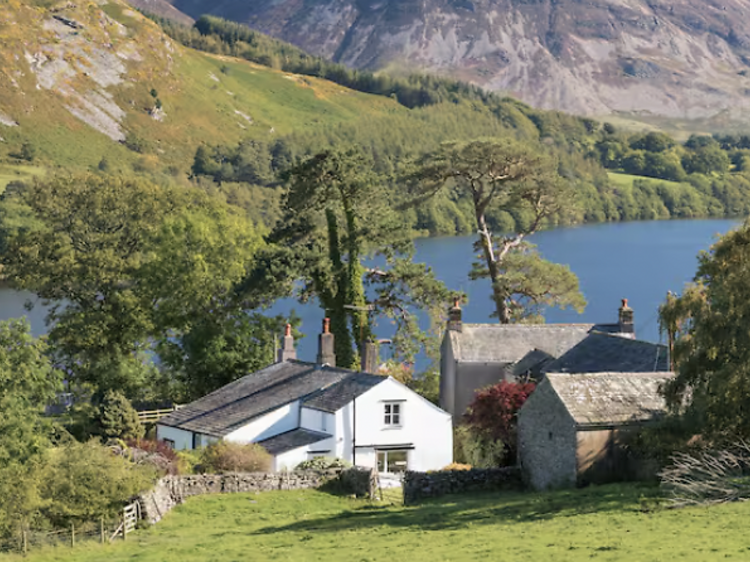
(84, 481)
(225, 456)
(457, 466)
(474, 447)
(322, 463)
(154, 453)
(118, 419)
(493, 417)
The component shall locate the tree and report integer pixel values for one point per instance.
(493, 414)
(118, 419)
(337, 212)
(27, 383)
(503, 175)
(122, 263)
(711, 343)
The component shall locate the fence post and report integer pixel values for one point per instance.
(25, 543)
(124, 527)
(101, 529)
(72, 534)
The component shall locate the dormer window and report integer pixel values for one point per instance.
(393, 412)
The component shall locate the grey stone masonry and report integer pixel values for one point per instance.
(171, 491)
(422, 485)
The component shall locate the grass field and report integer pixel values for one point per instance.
(11, 172)
(604, 523)
(626, 180)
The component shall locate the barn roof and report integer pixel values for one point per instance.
(600, 352)
(610, 398)
(236, 404)
(509, 343)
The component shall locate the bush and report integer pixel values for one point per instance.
(155, 453)
(85, 481)
(474, 447)
(457, 466)
(322, 463)
(118, 419)
(225, 456)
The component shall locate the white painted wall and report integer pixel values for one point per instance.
(182, 439)
(317, 420)
(290, 459)
(277, 421)
(423, 425)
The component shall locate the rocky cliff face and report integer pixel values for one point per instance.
(674, 58)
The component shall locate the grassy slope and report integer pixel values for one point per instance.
(626, 180)
(602, 523)
(200, 100)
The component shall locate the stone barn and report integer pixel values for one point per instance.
(570, 429)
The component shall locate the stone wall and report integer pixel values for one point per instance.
(173, 490)
(422, 485)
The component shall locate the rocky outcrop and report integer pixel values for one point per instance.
(679, 59)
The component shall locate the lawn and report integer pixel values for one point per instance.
(599, 523)
(626, 180)
(12, 172)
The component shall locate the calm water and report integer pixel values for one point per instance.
(640, 261)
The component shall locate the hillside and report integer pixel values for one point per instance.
(641, 59)
(92, 80)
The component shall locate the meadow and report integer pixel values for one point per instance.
(616, 522)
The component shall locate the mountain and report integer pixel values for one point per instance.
(648, 59)
(96, 79)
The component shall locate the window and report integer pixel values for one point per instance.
(169, 443)
(392, 414)
(392, 461)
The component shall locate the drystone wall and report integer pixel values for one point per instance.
(171, 491)
(422, 485)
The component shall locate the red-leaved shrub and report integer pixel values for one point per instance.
(494, 412)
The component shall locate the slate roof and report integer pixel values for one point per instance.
(610, 399)
(340, 394)
(509, 343)
(234, 405)
(292, 440)
(605, 352)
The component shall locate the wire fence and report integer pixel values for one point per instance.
(103, 531)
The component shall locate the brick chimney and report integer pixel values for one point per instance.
(370, 357)
(454, 315)
(287, 351)
(625, 319)
(326, 356)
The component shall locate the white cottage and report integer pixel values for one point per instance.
(299, 410)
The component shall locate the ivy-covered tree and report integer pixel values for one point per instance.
(336, 213)
(503, 175)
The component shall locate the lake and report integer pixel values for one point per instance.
(639, 261)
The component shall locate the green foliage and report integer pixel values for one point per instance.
(711, 343)
(132, 262)
(226, 456)
(503, 176)
(27, 152)
(118, 419)
(477, 448)
(322, 463)
(221, 348)
(27, 383)
(84, 481)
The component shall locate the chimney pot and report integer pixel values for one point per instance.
(626, 320)
(454, 315)
(287, 351)
(326, 355)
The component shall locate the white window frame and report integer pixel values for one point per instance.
(393, 410)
